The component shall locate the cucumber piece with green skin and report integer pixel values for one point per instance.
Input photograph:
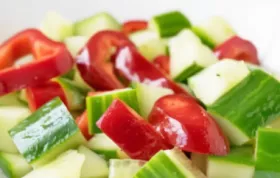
(213, 82)
(22, 96)
(75, 43)
(251, 104)
(169, 163)
(104, 146)
(11, 99)
(94, 166)
(214, 32)
(147, 95)
(46, 133)
(98, 104)
(96, 23)
(125, 168)
(266, 174)
(141, 37)
(169, 24)
(74, 93)
(56, 27)
(80, 81)
(66, 165)
(188, 55)
(10, 116)
(13, 165)
(267, 152)
(239, 163)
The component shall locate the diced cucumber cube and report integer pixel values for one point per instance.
(239, 163)
(252, 103)
(67, 165)
(75, 43)
(96, 23)
(46, 133)
(215, 81)
(10, 116)
(188, 55)
(141, 37)
(94, 166)
(125, 168)
(56, 27)
(214, 32)
(169, 163)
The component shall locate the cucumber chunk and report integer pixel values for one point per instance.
(75, 43)
(214, 32)
(200, 161)
(169, 24)
(169, 163)
(10, 99)
(46, 133)
(75, 94)
(13, 165)
(10, 116)
(188, 55)
(96, 23)
(251, 104)
(239, 163)
(98, 104)
(94, 166)
(80, 81)
(141, 37)
(56, 27)
(266, 174)
(267, 154)
(104, 146)
(147, 95)
(67, 165)
(213, 82)
(125, 168)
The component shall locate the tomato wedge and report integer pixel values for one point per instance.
(239, 49)
(162, 63)
(134, 26)
(185, 124)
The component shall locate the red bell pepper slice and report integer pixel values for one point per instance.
(185, 124)
(134, 26)
(51, 59)
(239, 49)
(134, 67)
(135, 136)
(39, 95)
(162, 63)
(82, 122)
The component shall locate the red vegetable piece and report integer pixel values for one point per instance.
(134, 67)
(82, 122)
(134, 26)
(94, 63)
(239, 49)
(185, 124)
(162, 63)
(51, 59)
(135, 136)
(38, 95)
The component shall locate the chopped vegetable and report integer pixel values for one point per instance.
(52, 59)
(133, 26)
(75, 43)
(82, 122)
(130, 132)
(125, 168)
(162, 62)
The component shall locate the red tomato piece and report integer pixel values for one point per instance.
(162, 63)
(239, 49)
(185, 124)
(134, 26)
(82, 122)
(135, 136)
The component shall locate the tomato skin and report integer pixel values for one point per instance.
(134, 67)
(93, 61)
(239, 49)
(134, 135)
(162, 63)
(185, 124)
(134, 26)
(82, 122)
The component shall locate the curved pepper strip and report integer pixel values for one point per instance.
(134, 67)
(94, 62)
(39, 95)
(134, 135)
(162, 62)
(51, 59)
(134, 26)
(82, 122)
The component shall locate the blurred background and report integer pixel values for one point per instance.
(256, 20)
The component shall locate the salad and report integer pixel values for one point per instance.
(163, 98)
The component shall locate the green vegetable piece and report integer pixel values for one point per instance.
(125, 168)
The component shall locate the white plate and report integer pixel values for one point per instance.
(256, 20)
